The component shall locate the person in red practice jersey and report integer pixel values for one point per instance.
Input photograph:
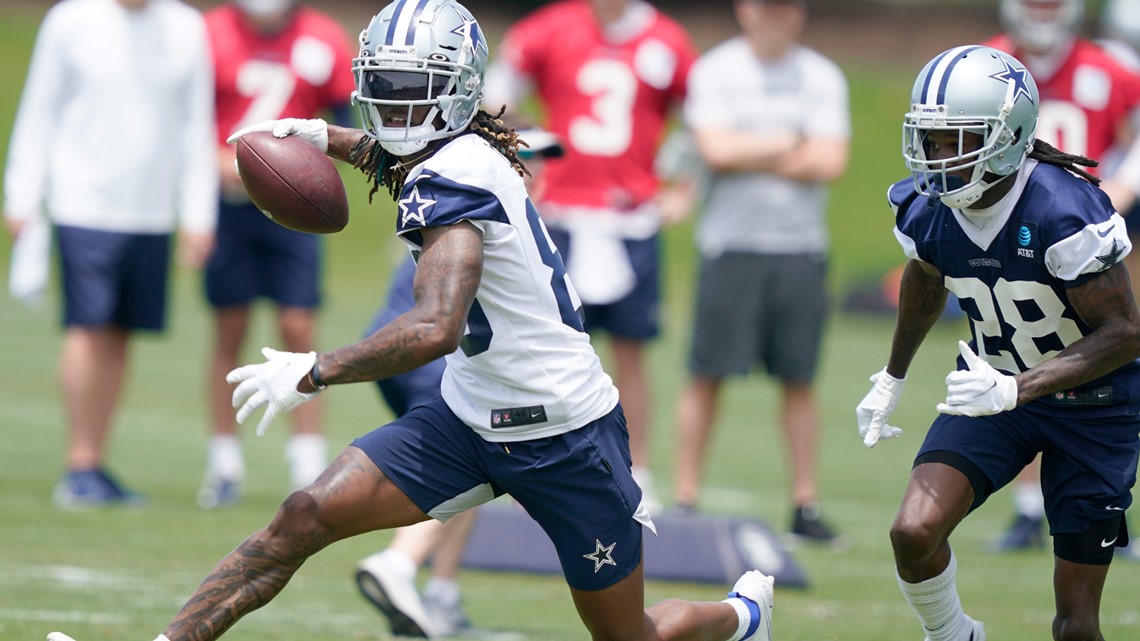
(1087, 99)
(607, 73)
(272, 59)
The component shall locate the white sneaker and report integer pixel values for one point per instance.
(395, 595)
(758, 592)
(448, 618)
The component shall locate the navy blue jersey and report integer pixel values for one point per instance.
(1011, 270)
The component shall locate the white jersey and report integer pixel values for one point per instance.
(525, 368)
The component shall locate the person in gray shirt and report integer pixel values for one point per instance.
(769, 118)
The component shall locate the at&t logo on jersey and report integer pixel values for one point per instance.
(1024, 240)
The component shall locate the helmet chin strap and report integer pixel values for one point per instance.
(964, 198)
(403, 147)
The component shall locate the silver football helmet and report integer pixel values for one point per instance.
(1041, 25)
(970, 89)
(419, 54)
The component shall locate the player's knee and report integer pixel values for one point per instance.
(913, 538)
(296, 530)
(1076, 628)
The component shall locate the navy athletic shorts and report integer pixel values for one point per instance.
(1088, 465)
(577, 486)
(255, 257)
(637, 315)
(113, 278)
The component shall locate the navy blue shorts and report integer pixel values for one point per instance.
(255, 257)
(407, 390)
(636, 316)
(1088, 465)
(577, 486)
(113, 278)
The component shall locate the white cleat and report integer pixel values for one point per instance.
(758, 591)
(58, 636)
(396, 597)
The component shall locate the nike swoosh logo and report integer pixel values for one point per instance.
(1104, 233)
(535, 414)
(1113, 507)
(1105, 544)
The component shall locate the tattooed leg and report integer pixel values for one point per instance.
(351, 496)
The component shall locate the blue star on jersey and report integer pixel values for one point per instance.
(412, 208)
(602, 555)
(1017, 77)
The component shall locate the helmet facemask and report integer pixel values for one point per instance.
(940, 176)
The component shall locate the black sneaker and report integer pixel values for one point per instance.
(808, 525)
(1025, 533)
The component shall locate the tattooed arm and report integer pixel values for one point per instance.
(1106, 304)
(447, 276)
(922, 298)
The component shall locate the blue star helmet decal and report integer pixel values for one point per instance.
(412, 208)
(470, 29)
(1017, 77)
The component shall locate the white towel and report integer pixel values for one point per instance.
(31, 262)
(598, 264)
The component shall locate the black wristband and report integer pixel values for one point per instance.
(315, 377)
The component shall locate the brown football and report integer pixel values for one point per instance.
(292, 182)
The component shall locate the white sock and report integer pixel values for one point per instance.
(307, 455)
(743, 614)
(1029, 500)
(936, 603)
(224, 459)
(443, 590)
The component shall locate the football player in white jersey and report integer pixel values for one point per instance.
(525, 407)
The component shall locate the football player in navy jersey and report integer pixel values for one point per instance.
(524, 407)
(1032, 249)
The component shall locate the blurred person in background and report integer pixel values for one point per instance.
(607, 73)
(388, 578)
(770, 119)
(1018, 230)
(272, 59)
(1087, 102)
(113, 144)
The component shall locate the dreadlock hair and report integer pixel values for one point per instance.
(1046, 153)
(385, 169)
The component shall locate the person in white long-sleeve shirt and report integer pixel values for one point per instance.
(113, 144)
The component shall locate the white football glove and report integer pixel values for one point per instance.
(980, 390)
(314, 131)
(272, 383)
(876, 407)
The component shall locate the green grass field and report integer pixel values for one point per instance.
(122, 574)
